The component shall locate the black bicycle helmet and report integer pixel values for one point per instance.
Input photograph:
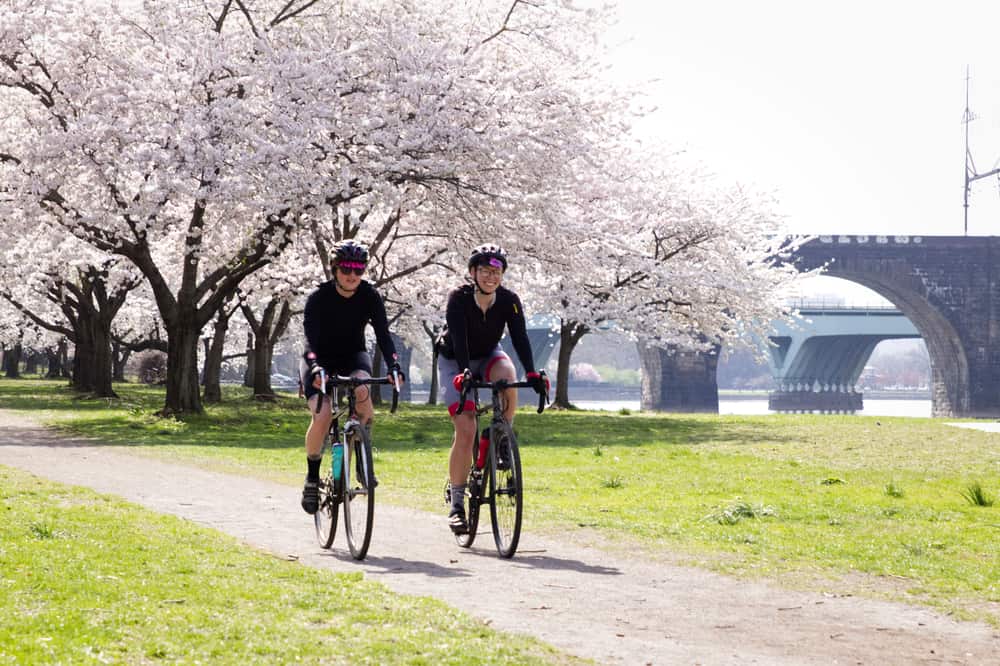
(350, 250)
(483, 254)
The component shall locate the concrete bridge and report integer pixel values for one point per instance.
(945, 285)
(816, 364)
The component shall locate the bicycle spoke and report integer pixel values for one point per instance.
(325, 518)
(359, 501)
(506, 499)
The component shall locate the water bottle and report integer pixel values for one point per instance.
(484, 445)
(338, 459)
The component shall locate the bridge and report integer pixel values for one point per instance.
(947, 286)
(816, 364)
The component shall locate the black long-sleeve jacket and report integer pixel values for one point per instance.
(473, 334)
(335, 326)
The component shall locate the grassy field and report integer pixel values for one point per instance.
(850, 505)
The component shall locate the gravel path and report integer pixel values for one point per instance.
(583, 600)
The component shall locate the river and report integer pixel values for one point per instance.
(747, 405)
(872, 406)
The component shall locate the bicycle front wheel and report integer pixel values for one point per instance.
(326, 517)
(506, 492)
(359, 497)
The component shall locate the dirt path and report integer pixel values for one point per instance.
(582, 600)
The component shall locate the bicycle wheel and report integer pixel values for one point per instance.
(473, 500)
(326, 517)
(506, 492)
(359, 496)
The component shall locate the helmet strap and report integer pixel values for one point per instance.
(341, 288)
(480, 290)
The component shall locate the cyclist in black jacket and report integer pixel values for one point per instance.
(335, 318)
(476, 316)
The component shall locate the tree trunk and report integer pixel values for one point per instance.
(92, 360)
(66, 368)
(432, 397)
(103, 361)
(570, 334)
(31, 363)
(267, 332)
(433, 334)
(249, 373)
(263, 353)
(84, 362)
(54, 359)
(119, 359)
(12, 362)
(183, 395)
(213, 357)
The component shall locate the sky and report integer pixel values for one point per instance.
(850, 113)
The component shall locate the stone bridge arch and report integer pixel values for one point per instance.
(944, 286)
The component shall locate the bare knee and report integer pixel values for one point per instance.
(465, 427)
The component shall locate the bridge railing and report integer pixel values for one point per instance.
(824, 306)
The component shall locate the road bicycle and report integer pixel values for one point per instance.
(350, 480)
(495, 474)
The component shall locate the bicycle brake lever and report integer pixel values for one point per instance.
(322, 393)
(395, 392)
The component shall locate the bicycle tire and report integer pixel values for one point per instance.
(506, 494)
(325, 518)
(473, 500)
(359, 494)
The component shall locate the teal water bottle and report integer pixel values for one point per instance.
(338, 459)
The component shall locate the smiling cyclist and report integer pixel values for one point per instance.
(476, 315)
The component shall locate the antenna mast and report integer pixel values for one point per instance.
(970, 166)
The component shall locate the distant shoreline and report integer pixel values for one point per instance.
(598, 391)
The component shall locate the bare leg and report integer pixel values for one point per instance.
(505, 370)
(461, 447)
(318, 427)
(362, 400)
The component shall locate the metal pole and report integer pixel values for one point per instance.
(970, 165)
(966, 118)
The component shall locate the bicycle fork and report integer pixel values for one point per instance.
(354, 443)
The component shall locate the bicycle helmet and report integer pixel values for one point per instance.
(488, 254)
(350, 250)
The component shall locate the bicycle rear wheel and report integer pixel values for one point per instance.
(359, 497)
(326, 517)
(506, 492)
(473, 500)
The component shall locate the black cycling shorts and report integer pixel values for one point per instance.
(341, 365)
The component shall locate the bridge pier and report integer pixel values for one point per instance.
(678, 380)
(815, 401)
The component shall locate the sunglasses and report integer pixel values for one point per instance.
(349, 267)
(490, 272)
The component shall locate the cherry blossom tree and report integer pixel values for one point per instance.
(662, 251)
(62, 286)
(194, 142)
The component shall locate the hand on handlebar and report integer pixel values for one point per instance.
(397, 375)
(539, 382)
(458, 381)
(318, 375)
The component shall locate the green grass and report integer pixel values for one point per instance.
(814, 501)
(976, 495)
(87, 579)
